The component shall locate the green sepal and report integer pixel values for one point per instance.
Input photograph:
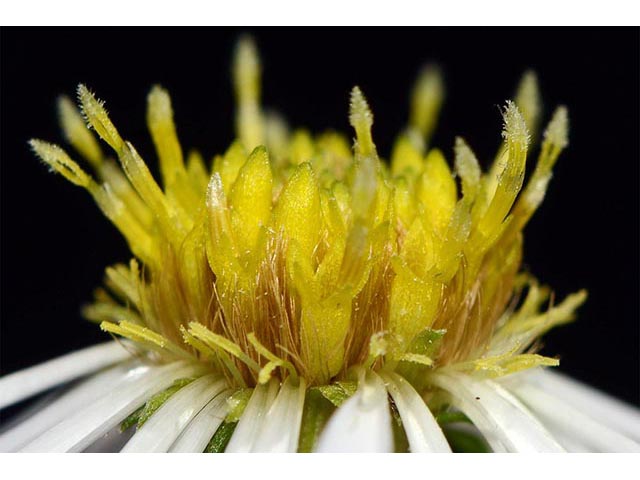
(157, 400)
(462, 441)
(452, 416)
(131, 420)
(317, 410)
(425, 344)
(237, 403)
(338, 392)
(220, 439)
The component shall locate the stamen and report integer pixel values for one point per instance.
(361, 119)
(555, 140)
(216, 341)
(142, 335)
(528, 100)
(246, 79)
(163, 132)
(468, 168)
(426, 100)
(274, 362)
(76, 132)
(59, 162)
(97, 118)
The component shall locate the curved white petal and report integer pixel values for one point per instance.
(30, 381)
(78, 431)
(572, 445)
(577, 427)
(64, 406)
(253, 417)
(362, 423)
(165, 425)
(423, 432)
(280, 433)
(504, 422)
(110, 442)
(609, 411)
(195, 437)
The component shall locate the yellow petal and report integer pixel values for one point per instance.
(228, 166)
(250, 200)
(437, 190)
(414, 304)
(163, 132)
(301, 148)
(297, 212)
(406, 159)
(324, 327)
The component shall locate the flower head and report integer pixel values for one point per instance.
(297, 273)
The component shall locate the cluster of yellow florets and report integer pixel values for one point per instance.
(299, 256)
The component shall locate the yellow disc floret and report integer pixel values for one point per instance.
(297, 256)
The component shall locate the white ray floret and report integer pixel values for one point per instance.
(254, 416)
(81, 429)
(66, 405)
(110, 442)
(362, 423)
(33, 380)
(422, 430)
(166, 424)
(578, 427)
(609, 411)
(281, 431)
(505, 423)
(195, 437)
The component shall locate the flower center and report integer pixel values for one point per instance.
(297, 255)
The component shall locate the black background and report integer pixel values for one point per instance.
(55, 243)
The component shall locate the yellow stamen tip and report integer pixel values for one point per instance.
(528, 99)
(361, 119)
(515, 128)
(58, 160)
(98, 118)
(558, 130)
(426, 101)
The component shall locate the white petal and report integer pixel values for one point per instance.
(423, 432)
(164, 426)
(110, 442)
(66, 405)
(30, 381)
(572, 445)
(505, 423)
(87, 425)
(608, 410)
(280, 433)
(577, 427)
(195, 437)
(254, 415)
(362, 423)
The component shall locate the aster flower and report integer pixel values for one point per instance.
(303, 294)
